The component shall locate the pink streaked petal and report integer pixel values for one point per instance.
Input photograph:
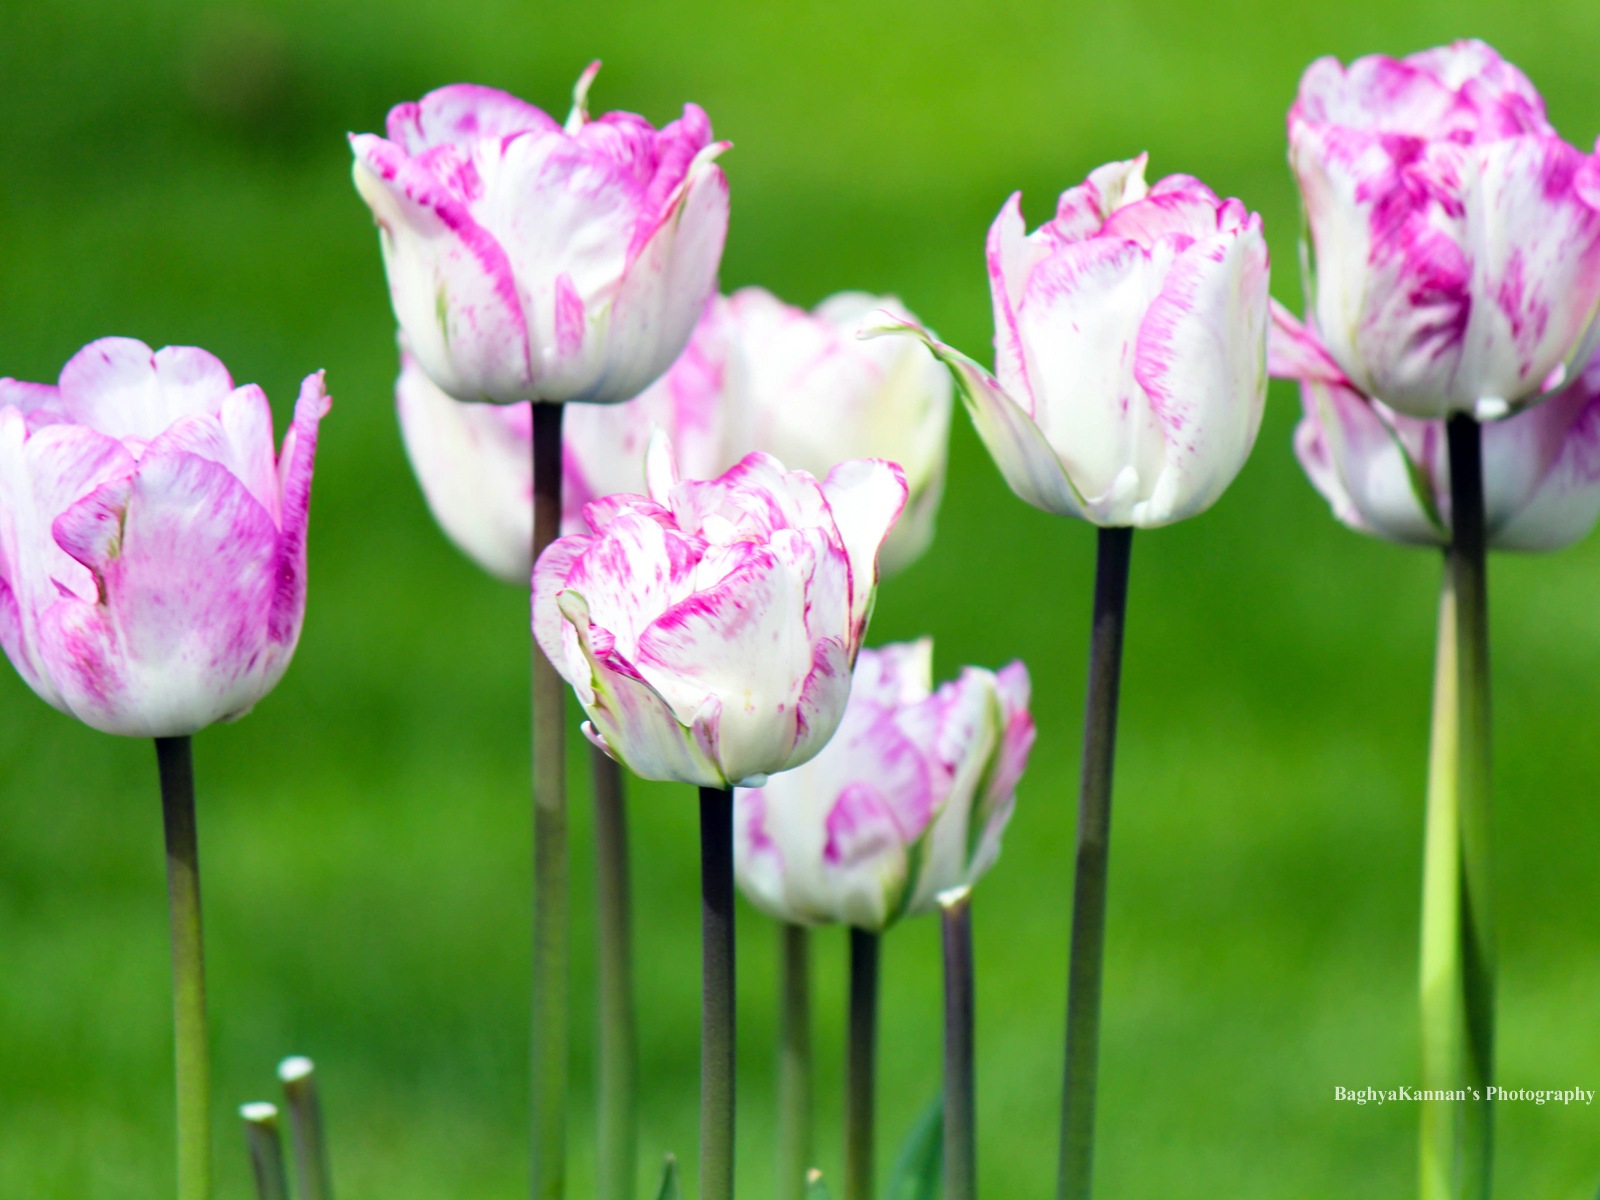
(449, 278)
(896, 674)
(184, 560)
(1558, 443)
(866, 497)
(636, 725)
(823, 697)
(1201, 360)
(39, 401)
(123, 388)
(1294, 351)
(633, 573)
(463, 113)
(663, 289)
(1012, 256)
(294, 480)
(1083, 210)
(1178, 204)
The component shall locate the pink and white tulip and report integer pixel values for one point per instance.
(709, 628)
(1130, 348)
(475, 461)
(152, 549)
(1456, 235)
(1388, 474)
(909, 799)
(802, 387)
(528, 260)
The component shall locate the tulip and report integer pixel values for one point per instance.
(709, 628)
(1129, 349)
(152, 549)
(475, 461)
(1456, 236)
(1387, 474)
(909, 799)
(152, 581)
(533, 261)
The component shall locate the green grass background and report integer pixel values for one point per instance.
(178, 172)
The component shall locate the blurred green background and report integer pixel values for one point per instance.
(178, 172)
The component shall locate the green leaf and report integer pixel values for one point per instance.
(669, 1189)
(919, 1167)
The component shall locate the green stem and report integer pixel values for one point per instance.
(1087, 955)
(266, 1151)
(717, 1005)
(960, 1103)
(176, 765)
(549, 1046)
(1469, 581)
(306, 1130)
(794, 1063)
(860, 1098)
(618, 1053)
(1442, 986)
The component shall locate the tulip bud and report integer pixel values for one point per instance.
(1388, 474)
(1129, 349)
(909, 799)
(1456, 236)
(531, 261)
(709, 629)
(152, 550)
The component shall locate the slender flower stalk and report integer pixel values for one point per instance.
(174, 757)
(1442, 986)
(300, 1094)
(1087, 957)
(265, 1140)
(1473, 1130)
(794, 1062)
(960, 1103)
(618, 1053)
(549, 1047)
(717, 1005)
(860, 1099)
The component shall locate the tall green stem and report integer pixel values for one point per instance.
(303, 1099)
(717, 991)
(860, 1100)
(618, 1126)
(618, 1133)
(1087, 955)
(176, 764)
(960, 1102)
(1458, 1146)
(794, 1062)
(266, 1151)
(549, 1047)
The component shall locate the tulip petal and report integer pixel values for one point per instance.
(134, 662)
(1201, 360)
(1018, 446)
(636, 724)
(449, 278)
(123, 388)
(463, 112)
(866, 497)
(475, 465)
(1295, 352)
(295, 462)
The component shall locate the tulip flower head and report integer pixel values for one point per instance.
(152, 550)
(1388, 474)
(1456, 235)
(709, 628)
(909, 799)
(528, 260)
(475, 461)
(1130, 349)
